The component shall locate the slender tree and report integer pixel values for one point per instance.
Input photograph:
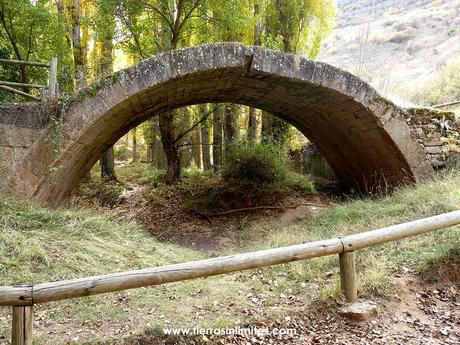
(230, 124)
(298, 27)
(135, 153)
(252, 121)
(77, 48)
(217, 130)
(197, 147)
(104, 27)
(205, 147)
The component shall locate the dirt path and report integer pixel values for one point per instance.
(169, 221)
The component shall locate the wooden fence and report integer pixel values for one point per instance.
(22, 298)
(50, 90)
(443, 105)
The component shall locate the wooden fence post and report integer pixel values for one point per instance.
(348, 276)
(22, 325)
(52, 84)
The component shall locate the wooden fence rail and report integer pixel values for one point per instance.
(21, 62)
(51, 88)
(22, 298)
(446, 104)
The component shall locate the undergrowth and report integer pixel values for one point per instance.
(39, 244)
(261, 175)
(102, 192)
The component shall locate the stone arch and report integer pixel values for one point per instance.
(363, 136)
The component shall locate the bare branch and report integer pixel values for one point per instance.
(156, 10)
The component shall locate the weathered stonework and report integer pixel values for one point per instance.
(432, 128)
(20, 126)
(364, 137)
(429, 126)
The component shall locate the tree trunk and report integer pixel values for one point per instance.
(149, 153)
(230, 127)
(127, 146)
(197, 146)
(258, 28)
(107, 162)
(252, 127)
(78, 57)
(252, 123)
(217, 139)
(106, 68)
(187, 150)
(63, 22)
(135, 154)
(205, 148)
(157, 154)
(170, 148)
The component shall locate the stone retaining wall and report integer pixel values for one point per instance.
(436, 131)
(20, 126)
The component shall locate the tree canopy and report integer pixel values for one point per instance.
(94, 38)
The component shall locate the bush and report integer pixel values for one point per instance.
(264, 163)
(263, 166)
(151, 175)
(299, 182)
(249, 177)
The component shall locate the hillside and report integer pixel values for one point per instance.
(397, 46)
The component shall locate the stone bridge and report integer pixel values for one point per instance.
(47, 148)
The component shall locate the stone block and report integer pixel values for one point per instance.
(436, 141)
(6, 156)
(359, 311)
(433, 149)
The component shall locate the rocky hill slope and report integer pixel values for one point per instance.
(395, 45)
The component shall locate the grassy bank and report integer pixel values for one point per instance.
(38, 244)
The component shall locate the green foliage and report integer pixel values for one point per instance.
(264, 163)
(9, 73)
(451, 32)
(249, 177)
(299, 26)
(264, 166)
(30, 31)
(151, 176)
(231, 21)
(300, 182)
